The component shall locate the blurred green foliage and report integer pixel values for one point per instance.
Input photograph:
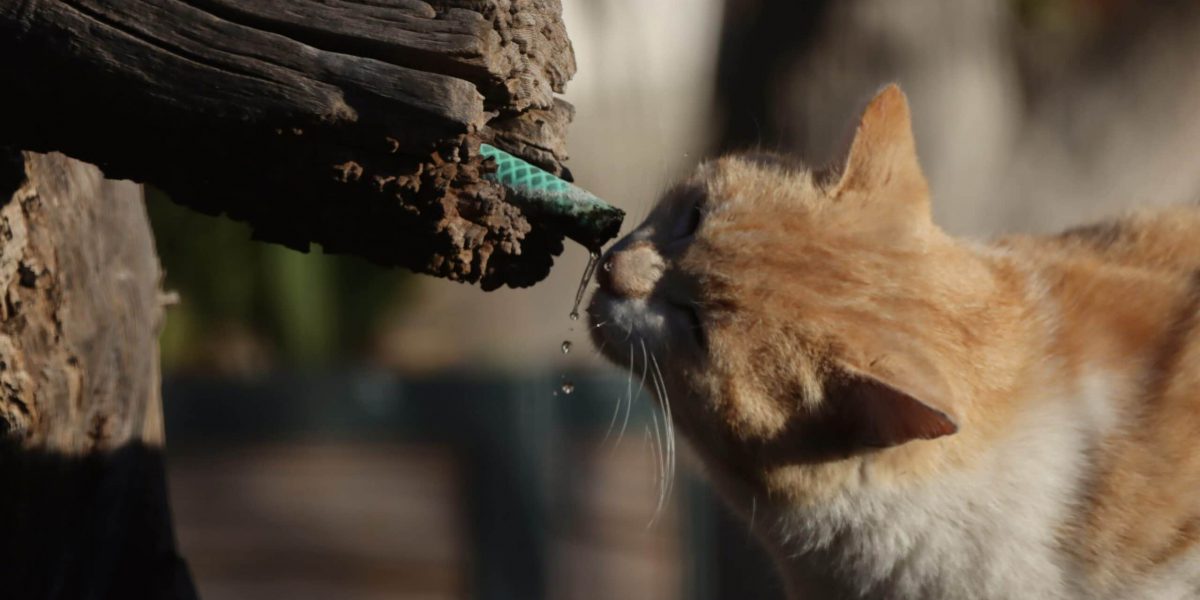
(1044, 13)
(305, 309)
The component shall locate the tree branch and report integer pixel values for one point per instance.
(351, 124)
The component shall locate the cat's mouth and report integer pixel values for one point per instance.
(643, 298)
(619, 325)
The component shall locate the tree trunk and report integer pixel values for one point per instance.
(84, 512)
(355, 125)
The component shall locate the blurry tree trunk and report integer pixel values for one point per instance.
(760, 42)
(83, 510)
(1028, 115)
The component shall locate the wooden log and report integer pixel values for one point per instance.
(83, 513)
(353, 125)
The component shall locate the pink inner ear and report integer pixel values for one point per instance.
(880, 416)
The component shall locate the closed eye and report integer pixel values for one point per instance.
(690, 213)
(690, 221)
(693, 323)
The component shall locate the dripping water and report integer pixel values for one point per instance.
(588, 272)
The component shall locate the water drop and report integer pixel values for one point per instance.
(588, 271)
(566, 346)
(567, 388)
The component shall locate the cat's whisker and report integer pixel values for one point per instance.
(612, 422)
(645, 368)
(660, 454)
(659, 457)
(665, 453)
(753, 512)
(628, 401)
(669, 427)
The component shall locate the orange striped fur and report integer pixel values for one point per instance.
(911, 415)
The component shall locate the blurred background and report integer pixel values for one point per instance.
(337, 430)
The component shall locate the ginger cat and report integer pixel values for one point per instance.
(914, 416)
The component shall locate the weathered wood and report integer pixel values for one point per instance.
(499, 55)
(83, 513)
(354, 125)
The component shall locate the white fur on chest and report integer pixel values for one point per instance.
(989, 532)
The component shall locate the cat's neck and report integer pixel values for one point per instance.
(1049, 351)
(1055, 350)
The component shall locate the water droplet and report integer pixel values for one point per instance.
(566, 346)
(588, 271)
(567, 388)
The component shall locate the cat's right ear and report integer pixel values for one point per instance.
(881, 166)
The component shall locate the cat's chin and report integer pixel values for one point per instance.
(619, 325)
(604, 331)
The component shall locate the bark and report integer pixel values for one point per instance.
(354, 125)
(84, 511)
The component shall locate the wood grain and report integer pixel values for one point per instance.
(83, 512)
(351, 124)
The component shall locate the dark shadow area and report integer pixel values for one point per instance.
(12, 172)
(97, 526)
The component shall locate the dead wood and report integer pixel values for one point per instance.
(351, 124)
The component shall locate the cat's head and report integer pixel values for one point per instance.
(796, 314)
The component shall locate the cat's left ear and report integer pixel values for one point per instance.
(874, 414)
(890, 402)
(882, 163)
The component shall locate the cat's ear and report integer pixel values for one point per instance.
(873, 414)
(888, 398)
(882, 161)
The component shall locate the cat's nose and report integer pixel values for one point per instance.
(632, 272)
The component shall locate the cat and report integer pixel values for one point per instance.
(905, 415)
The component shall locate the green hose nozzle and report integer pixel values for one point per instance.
(584, 217)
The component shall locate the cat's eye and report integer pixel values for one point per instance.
(692, 322)
(684, 210)
(689, 221)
